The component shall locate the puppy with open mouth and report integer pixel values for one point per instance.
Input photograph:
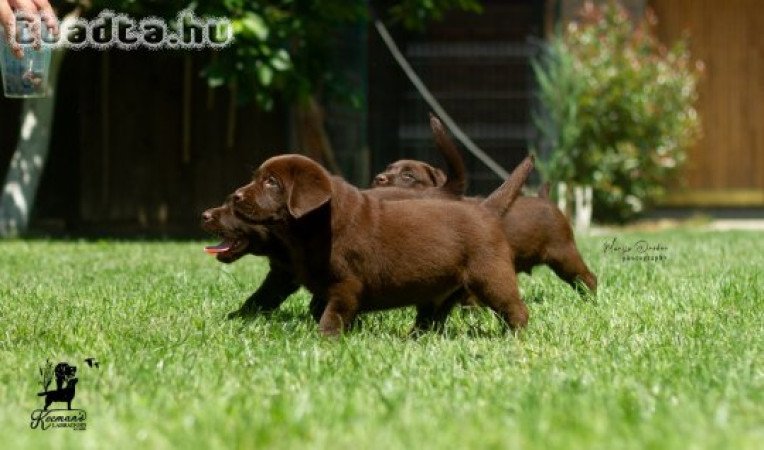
(239, 238)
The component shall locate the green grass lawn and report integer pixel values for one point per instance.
(669, 355)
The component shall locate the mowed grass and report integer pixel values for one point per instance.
(669, 355)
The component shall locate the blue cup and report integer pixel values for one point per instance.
(26, 77)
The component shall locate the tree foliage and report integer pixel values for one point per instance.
(284, 47)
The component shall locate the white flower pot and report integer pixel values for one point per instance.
(582, 204)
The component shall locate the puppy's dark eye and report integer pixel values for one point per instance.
(271, 182)
(408, 176)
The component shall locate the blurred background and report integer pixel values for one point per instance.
(138, 143)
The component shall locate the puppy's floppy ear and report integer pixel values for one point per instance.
(309, 188)
(437, 176)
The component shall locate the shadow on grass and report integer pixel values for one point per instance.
(474, 322)
(278, 315)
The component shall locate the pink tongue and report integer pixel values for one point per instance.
(220, 248)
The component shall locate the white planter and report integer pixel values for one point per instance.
(582, 204)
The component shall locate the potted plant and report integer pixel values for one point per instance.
(616, 111)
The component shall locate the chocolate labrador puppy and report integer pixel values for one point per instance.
(239, 238)
(538, 232)
(361, 254)
(409, 173)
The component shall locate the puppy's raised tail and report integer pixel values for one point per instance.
(502, 198)
(456, 181)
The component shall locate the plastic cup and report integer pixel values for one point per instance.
(26, 77)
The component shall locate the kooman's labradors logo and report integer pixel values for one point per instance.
(65, 376)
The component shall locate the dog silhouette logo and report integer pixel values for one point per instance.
(66, 382)
(65, 376)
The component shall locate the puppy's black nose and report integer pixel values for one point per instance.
(238, 196)
(380, 179)
(206, 216)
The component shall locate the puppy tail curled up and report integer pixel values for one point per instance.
(456, 182)
(502, 198)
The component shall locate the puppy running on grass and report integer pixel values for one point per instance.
(239, 238)
(361, 254)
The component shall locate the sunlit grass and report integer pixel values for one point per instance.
(669, 355)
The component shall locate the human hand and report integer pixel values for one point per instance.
(30, 9)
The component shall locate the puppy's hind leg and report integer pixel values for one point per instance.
(430, 317)
(317, 307)
(341, 308)
(496, 286)
(424, 321)
(567, 263)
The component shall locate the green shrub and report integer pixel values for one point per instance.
(617, 109)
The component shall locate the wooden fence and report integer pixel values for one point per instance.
(141, 145)
(726, 168)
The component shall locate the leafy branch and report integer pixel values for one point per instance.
(46, 375)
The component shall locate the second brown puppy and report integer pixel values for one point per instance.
(538, 233)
